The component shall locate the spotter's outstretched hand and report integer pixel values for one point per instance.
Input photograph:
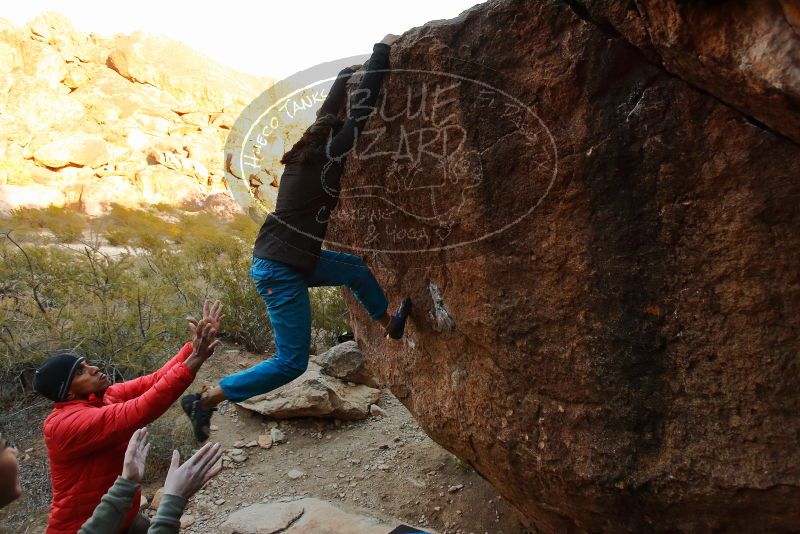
(212, 313)
(135, 456)
(184, 480)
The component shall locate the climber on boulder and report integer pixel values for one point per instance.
(288, 258)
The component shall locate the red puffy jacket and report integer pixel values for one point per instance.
(86, 440)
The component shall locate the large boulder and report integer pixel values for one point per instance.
(314, 394)
(107, 95)
(50, 27)
(43, 62)
(37, 107)
(604, 263)
(57, 30)
(159, 184)
(83, 150)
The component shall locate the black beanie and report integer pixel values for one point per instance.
(53, 378)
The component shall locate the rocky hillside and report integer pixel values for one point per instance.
(130, 119)
(594, 207)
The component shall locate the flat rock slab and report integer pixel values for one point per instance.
(304, 516)
(314, 394)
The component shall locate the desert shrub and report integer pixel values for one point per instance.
(247, 321)
(211, 260)
(243, 227)
(126, 311)
(66, 224)
(121, 311)
(130, 227)
(107, 308)
(329, 316)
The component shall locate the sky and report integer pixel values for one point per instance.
(264, 38)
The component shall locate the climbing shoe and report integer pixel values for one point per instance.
(397, 322)
(200, 417)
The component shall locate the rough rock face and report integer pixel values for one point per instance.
(603, 255)
(93, 120)
(747, 54)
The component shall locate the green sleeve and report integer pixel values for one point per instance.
(168, 517)
(109, 514)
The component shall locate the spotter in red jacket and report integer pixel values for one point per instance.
(86, 440)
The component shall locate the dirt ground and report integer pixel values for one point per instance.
(385, 467)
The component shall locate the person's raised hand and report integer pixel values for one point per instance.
(204, 343)
(212, 313)
(390, 39)
(204, 340)
(184, 480)
(135, 456)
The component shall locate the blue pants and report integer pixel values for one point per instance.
(285, 291)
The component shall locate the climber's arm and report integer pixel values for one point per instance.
(337, 94)
(365, 98)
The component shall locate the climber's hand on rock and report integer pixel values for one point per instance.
(186, 479)
(390, 39)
